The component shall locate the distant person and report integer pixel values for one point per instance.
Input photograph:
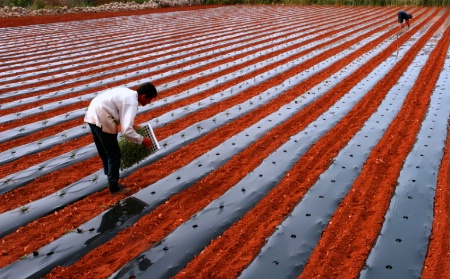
(403, 16)
(113, 107)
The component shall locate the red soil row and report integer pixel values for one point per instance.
(229, 254)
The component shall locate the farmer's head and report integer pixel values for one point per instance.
(410, 16)
(146, 92)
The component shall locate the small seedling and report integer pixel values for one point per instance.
(94, 178)
(23, 257)
(7, 181)
(133, 153)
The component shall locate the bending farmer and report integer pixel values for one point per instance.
(109, 109)
(403, 16)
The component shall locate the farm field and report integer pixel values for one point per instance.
(296, 142)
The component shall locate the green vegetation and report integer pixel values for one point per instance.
(132, 153)
(40, 4)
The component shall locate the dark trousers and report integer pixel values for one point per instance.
(108, 149)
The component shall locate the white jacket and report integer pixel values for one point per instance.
(115, 106)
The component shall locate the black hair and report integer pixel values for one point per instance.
(410, 16)
(147, 89)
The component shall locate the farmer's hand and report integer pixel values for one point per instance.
(147, 142)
